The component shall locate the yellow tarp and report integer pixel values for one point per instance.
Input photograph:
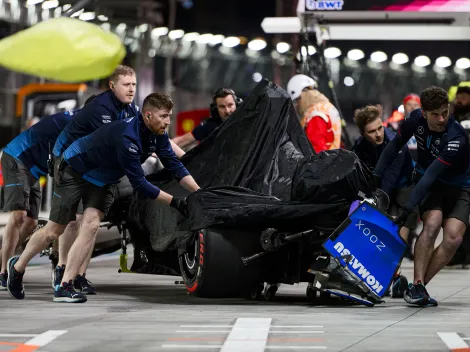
(63, 49)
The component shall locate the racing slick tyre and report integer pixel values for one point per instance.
(213, 268)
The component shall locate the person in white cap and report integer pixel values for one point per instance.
(319, 118)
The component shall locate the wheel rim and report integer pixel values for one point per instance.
(190, 261)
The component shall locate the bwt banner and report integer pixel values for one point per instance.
(389, 5)
(375, 248)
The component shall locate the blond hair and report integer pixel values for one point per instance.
(309, 98)
(121, 70)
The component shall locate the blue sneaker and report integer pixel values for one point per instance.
(15, 285)
(416, 294)
(57, 275)
(399, 286)
(67, 294)
(82, 285)
(3, 281)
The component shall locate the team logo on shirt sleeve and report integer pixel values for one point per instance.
(453, 146)
(420, 129)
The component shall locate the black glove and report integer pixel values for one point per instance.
(181, 205)
(402, 216)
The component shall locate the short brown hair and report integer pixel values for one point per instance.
(121, 70)
(433, 98)
(158, 100)
(366, 115)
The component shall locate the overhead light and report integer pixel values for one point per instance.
(231, 42)
(463, 63)
(332, 52)
(355, 54)
(400, 58)
(152, 52)
(158, 32)
(50, 4)
(216, 39)
(257, 77)
(422, 61)
(87, 16)
(205, 38)
(121, 27)
(102, 18)
(66, 7)
(443, 61)
(257, 44)
(33, 2)
(348, 81)
(176, 34)
(106, 26)
(378, 56)
(143, 28)
(282, 47)
(191, 37)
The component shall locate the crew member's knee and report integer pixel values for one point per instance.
(30, 224)
(17, 218)
(432, 223)
(73, 226)
(52, 231)
(453, 234)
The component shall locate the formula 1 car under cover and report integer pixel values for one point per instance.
(268, 212)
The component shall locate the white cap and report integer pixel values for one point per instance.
(298, 83)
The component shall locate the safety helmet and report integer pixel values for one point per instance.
(298, 83)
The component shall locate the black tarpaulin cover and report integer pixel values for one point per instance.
(259, 170)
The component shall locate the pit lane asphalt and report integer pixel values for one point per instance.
(135, 312)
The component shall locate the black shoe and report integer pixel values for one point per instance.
(15, 279)
(67, 294)
(3, 281)
(416, 294)
(57, 275)
(399, 286)
(83, 285)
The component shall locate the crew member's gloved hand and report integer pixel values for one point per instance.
(181, 205)
(402, 216)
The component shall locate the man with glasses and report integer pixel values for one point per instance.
(441, 186)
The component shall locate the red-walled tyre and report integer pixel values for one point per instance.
(214, 269)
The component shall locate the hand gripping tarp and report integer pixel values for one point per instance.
(253, 172)
(63, 49)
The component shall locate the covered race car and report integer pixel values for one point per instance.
(266, 213)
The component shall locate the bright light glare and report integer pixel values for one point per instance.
(191, 37)
(282, 47)
(463, 63)
(205, 38)
(400, 58)
(378, 56)
(422, 61)
(348, 81)
(231, 42)
(176, 34)
(158, 32)
(443, 61)
(355, 54)
(257, 44)
(332, 52)
(50, 4)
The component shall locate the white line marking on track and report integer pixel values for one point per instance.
(299, 348)
(231, 326)
(45, 338)
(452, 340)
(465, 338)
(192, 346)
(254, 329)
(18, 335)
(259, 331)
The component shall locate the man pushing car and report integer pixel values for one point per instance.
(89, 169)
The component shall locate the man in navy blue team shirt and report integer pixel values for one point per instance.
(24, 161)
(441, 189)
(93, 165)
